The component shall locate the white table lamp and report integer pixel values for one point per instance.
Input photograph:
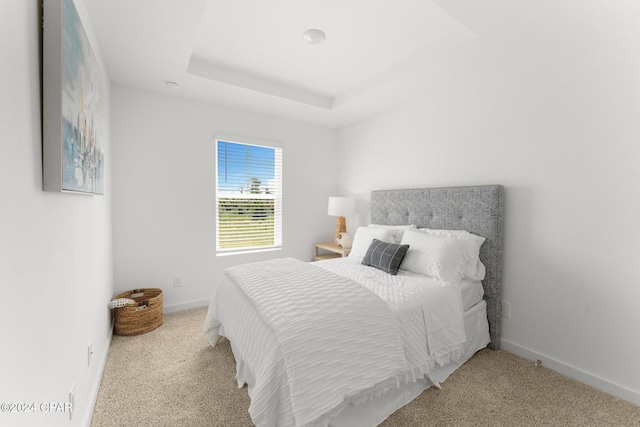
(341, 207)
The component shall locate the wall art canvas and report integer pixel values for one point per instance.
(74, 104)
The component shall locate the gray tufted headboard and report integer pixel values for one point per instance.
(477, 209)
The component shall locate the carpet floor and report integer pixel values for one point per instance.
(173, 377)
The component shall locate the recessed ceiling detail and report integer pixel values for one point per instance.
(367, 37)
(250, 54)
(255, 82)
(359, 51)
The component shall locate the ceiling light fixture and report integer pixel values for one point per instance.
(314, 36)
(172, 85)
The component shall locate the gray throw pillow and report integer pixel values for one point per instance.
(385, 256)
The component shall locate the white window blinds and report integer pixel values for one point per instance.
(248, 197)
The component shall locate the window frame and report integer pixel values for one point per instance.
(277, 194)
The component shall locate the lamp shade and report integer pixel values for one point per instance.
(341, 206)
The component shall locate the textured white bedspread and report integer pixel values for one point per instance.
(424, 307)
(336, 341)
(323, 322)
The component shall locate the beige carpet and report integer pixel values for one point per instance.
(172, 377)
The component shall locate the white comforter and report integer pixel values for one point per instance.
(333, 341)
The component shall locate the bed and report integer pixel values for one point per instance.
(315, 350)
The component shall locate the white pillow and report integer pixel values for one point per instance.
(365, 235)
(441, 257)
(473, 267)
(397, 229)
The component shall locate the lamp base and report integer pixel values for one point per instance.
(341, 227)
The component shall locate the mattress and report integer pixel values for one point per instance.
(472, 292)
(255, 349)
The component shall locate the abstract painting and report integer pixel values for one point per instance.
(73, 147)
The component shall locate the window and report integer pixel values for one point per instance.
(248, 197)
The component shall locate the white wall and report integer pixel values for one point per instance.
(164, 191)
(55, 249)
(557, 124)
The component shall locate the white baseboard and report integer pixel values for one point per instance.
(185, 306)
(93, 397)
(571, 372)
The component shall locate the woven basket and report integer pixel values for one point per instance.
(143, 316)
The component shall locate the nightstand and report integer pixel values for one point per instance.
(336, 251)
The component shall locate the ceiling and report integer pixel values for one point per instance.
(250, 54)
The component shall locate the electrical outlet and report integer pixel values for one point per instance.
(89, 353)
(72, 399)
(506, 310)
(177, 281)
